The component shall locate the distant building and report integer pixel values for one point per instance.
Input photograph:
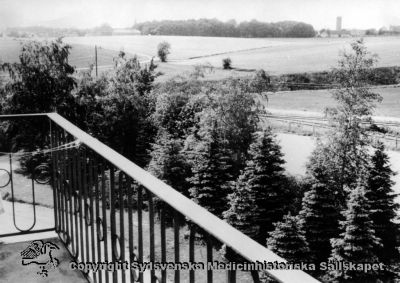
(338, 23)
(335, 33)
(357, 32)
(125, 31)
(394, 29)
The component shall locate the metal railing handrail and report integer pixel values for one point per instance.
(240, 243)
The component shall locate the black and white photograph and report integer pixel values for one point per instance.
(213, 141)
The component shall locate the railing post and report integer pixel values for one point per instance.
(53, 183)
(214, 229)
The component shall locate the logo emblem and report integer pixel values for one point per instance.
(41, 254)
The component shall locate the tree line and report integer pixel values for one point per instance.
(214, 27)
(206, 141)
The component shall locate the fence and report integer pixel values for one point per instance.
(106, 208)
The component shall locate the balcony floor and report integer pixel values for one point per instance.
(12, 270)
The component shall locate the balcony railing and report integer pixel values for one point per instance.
(106, 209)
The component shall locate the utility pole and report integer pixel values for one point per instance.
(95, 57)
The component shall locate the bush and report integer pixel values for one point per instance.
(163, 49)
(384, 76)
(227, 63)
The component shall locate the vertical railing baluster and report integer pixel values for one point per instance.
(99, 222)
(121, 221)
(92, 194)
(53, 177)
(255, 276)
(140, 229)
(75, 187)
(231, 276)
(57, 169)
(104, 209)
(176, 245)
(209, 258)
(163, 243)
(86, 211)
(151, 232)
(192, 238)
(59, 179)
(112, 222)
(79, 191)
(65, 190)
(71, 200)
(130, 223)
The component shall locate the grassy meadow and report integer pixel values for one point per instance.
(317, 100)
(82, 56)
(275, 55)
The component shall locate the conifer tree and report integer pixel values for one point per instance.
(212, 172)
(319, 220)
(242, 209)
(357, 243)
(288, 240)
(381, 197)
(263, 182)
(168, 164)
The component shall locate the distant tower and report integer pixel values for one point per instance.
(338, 23)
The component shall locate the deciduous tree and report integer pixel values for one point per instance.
(345, 152)
(163, 49)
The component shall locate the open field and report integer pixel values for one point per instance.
(275, 55)
(311, 101)
(82, 56)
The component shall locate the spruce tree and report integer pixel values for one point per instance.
(263, 182)
(242, 209)
(319, 220)
(383, 206)
(168, 163)
(357, 243)
(288, 240)
(212, 172)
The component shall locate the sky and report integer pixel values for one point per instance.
(360, 14)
